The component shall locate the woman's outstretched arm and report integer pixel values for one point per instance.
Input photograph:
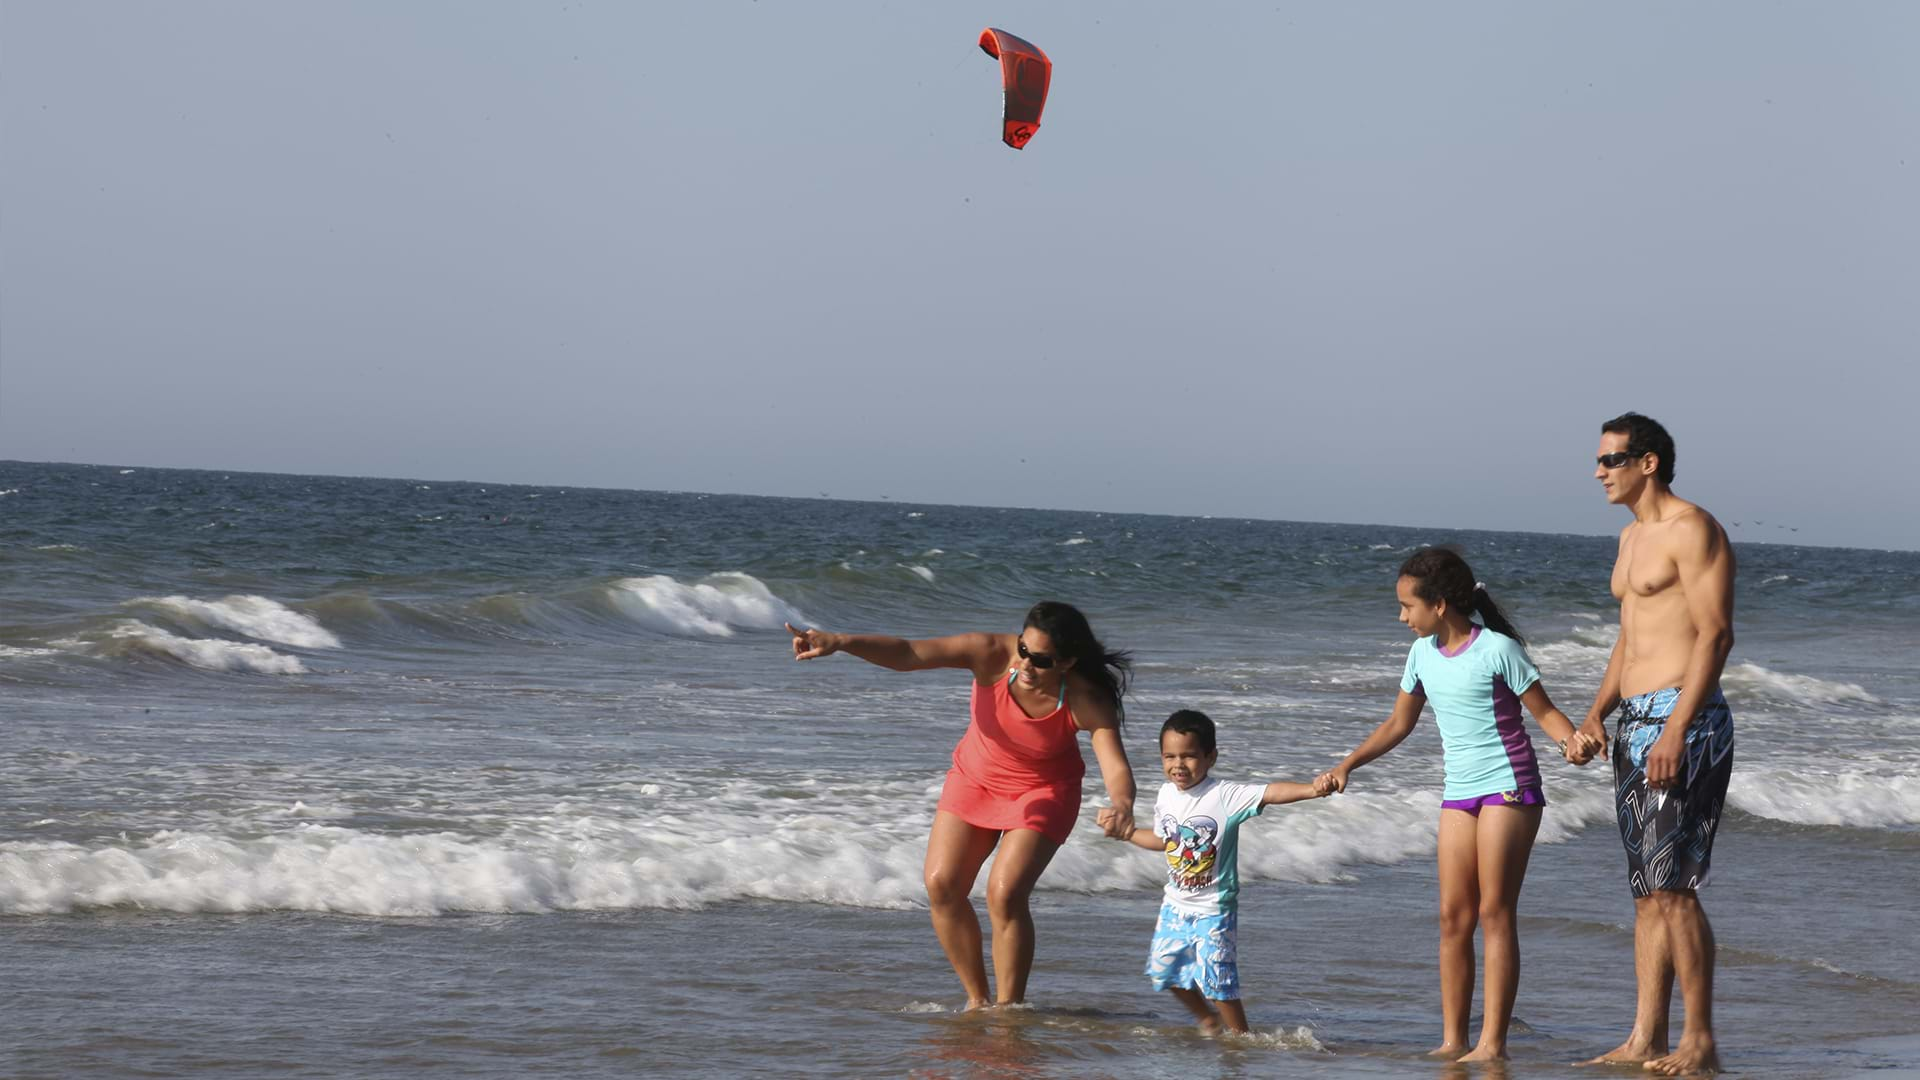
(979, 653)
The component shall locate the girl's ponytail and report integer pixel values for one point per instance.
(1491, 615)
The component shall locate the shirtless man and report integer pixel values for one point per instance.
(1673, 753)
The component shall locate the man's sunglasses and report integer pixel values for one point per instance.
(1042, 661)
(1617, 458)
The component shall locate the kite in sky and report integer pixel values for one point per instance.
(1025, 72)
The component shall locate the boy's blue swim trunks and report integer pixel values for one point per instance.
(1195, 952)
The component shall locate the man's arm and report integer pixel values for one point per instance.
(1607, 698)
(1705, 561)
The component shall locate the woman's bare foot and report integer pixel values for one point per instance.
(1487, 1052)
(976, 1003)
(1449, 1050)
(1698, 1059)
(1627, 1053)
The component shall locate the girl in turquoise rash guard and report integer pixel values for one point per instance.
(1477, 676)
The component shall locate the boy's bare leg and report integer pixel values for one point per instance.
(1199, 1006)
(1235, 1015)
(1653, 974)
(1459, 912)
(1505, 841)
(1023, 857)
(1691, 938)
(955, 851)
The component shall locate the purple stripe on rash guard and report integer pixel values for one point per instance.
(1513, 735)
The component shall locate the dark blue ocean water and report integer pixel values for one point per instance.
(382, 778)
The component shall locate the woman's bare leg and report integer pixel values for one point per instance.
(955, 851)
(1023, 857)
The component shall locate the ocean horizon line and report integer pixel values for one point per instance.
(888, 500)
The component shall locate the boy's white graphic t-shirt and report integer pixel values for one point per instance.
(1201, 828)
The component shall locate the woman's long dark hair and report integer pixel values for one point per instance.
(1073, 639)
(1440, 573)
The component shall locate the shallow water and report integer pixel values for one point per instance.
(388, 778)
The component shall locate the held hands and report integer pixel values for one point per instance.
(1329, 782)
(812, 644)
(1116, 821)
(1587, 742)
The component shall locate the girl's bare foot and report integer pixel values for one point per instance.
(1487, 1052)
(1448, 1050)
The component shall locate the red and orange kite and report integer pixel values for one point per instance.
(1025, 72)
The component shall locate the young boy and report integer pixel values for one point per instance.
(1197, 827)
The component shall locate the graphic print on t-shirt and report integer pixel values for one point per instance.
(1192, 850)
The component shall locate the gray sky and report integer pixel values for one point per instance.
(1384, 263)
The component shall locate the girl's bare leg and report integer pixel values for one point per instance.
(1459, 911)
(1505, 841)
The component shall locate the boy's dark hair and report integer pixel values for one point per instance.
(1191, 722)
(1644, 436)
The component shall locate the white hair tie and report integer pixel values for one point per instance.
(1479, 586)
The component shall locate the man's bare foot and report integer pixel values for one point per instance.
(1450, 1051)
(1211, 1026)
(1627, 1053)
(1700, 1059)
(1487, 1052)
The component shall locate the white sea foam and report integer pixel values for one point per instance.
(921, 572)
(1300, 1038)
(689, 846)
(1802, 796)
(1076, 540)
(9, 491)
(11, 652)
(715, 606)
(253, 616)
(210, 655)
(1799, 689)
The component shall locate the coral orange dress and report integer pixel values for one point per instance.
(1014, 771)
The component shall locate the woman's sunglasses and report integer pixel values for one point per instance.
(1617, 458)
(1037, 659)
